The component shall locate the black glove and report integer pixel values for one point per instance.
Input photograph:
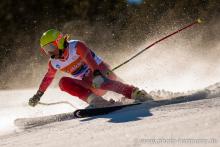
(97, 73)
(35, 99)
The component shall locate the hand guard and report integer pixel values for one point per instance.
(35, 99)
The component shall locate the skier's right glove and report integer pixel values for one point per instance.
(35, 99)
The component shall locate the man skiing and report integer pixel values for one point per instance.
(90, 77)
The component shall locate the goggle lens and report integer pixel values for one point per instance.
(49, 48)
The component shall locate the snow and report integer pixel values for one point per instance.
(15, 104)
(193, 123)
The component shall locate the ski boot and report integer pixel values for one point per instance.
(140, 95)
(96, 101)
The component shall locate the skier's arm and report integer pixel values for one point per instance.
(48, 78)
(86, 55)
(84, 52)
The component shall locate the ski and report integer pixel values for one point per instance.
(81, 113)
(27, 123)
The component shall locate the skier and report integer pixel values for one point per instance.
(90, 77)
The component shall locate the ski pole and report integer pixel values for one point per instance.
(198, 21)
(56, 103)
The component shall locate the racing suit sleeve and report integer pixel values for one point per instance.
(84, 52)
(48, 78)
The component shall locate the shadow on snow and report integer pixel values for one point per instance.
(135, 113)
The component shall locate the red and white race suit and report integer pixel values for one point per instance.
(80, 62)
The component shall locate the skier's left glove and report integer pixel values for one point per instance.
(98, 79)
(35, 99)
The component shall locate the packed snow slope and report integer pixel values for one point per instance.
(190, 121)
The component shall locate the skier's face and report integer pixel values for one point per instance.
(51, 50)
(54, 55)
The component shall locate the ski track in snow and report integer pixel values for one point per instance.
(199, 119)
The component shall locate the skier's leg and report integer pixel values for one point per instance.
(113, 83)
(118, 87)
(80, 88)
(128, 91)
(72, 87)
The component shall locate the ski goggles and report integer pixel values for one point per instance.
(50, 47)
